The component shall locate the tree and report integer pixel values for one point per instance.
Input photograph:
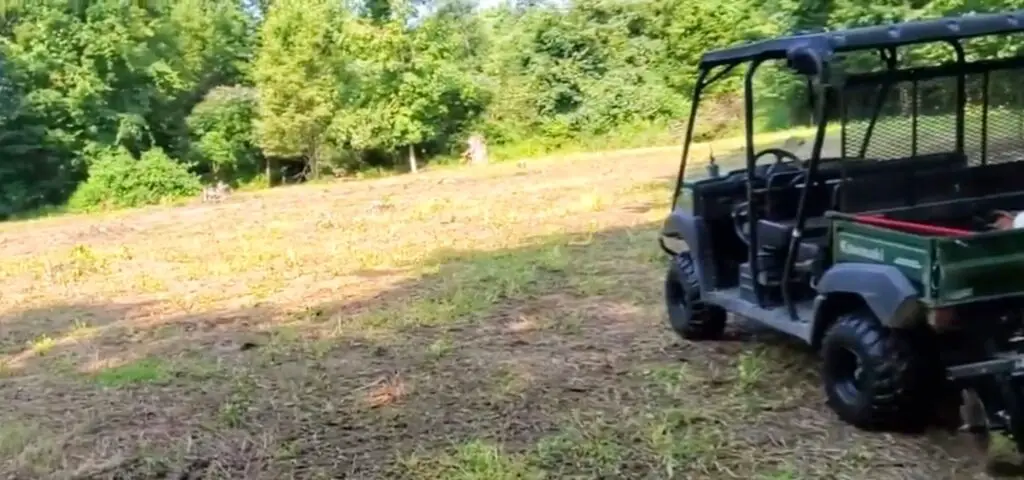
(299, 75)
(222, 132)
(411, 84)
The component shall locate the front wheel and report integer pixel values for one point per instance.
(874, 377)
(688, 315)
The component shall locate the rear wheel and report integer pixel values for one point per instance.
(688, 315)
(874, 377)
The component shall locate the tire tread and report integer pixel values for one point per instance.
(700, 321)
(896, 391)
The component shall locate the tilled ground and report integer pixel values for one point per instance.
(491, 324)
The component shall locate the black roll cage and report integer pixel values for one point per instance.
(810, 55)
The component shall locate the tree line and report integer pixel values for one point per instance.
(114, 103)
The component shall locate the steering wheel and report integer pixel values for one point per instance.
(780, 155)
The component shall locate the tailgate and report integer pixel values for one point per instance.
(989, 265)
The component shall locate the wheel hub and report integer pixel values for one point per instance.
(849, 373)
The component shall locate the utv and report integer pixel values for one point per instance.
(877, 250)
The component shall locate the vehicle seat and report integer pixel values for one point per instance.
(773, 235)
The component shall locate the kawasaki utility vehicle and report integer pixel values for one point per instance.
(880, 248)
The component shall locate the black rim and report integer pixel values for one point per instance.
(846, 370)
(675, 297)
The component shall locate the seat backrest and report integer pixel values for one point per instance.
(992, 179)
(896, 183)
(969, 181)
(716, 197)
(873, 192)
(928, 162)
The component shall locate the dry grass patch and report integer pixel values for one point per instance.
(467, 324)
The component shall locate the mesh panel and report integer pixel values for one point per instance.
(886, 139)
(936, 115)
(973, 112)
(1005, 119)
(919, 118)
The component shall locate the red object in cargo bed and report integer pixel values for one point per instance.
(911, 227)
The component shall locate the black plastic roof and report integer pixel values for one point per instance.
(867, 38)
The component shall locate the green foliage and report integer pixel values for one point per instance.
(118, 180)
(32, 173)
(222, 133)
(298, 75)
(410, 86)
(107, 73)
(221, 89)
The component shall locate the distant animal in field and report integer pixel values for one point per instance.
(383, 205)
(794, 142)
(476, 151)
(797, 146)
(216, 193)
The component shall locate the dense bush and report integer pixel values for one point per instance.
(117, 180)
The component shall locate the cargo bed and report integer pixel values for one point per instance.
(947, 266)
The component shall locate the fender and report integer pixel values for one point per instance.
(692, 230)
(885, 290)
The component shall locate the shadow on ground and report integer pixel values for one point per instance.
(549, 361)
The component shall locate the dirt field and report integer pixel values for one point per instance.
(503, 323)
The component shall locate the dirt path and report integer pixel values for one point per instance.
(496, 323)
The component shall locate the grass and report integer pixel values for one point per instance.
(491, 323)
